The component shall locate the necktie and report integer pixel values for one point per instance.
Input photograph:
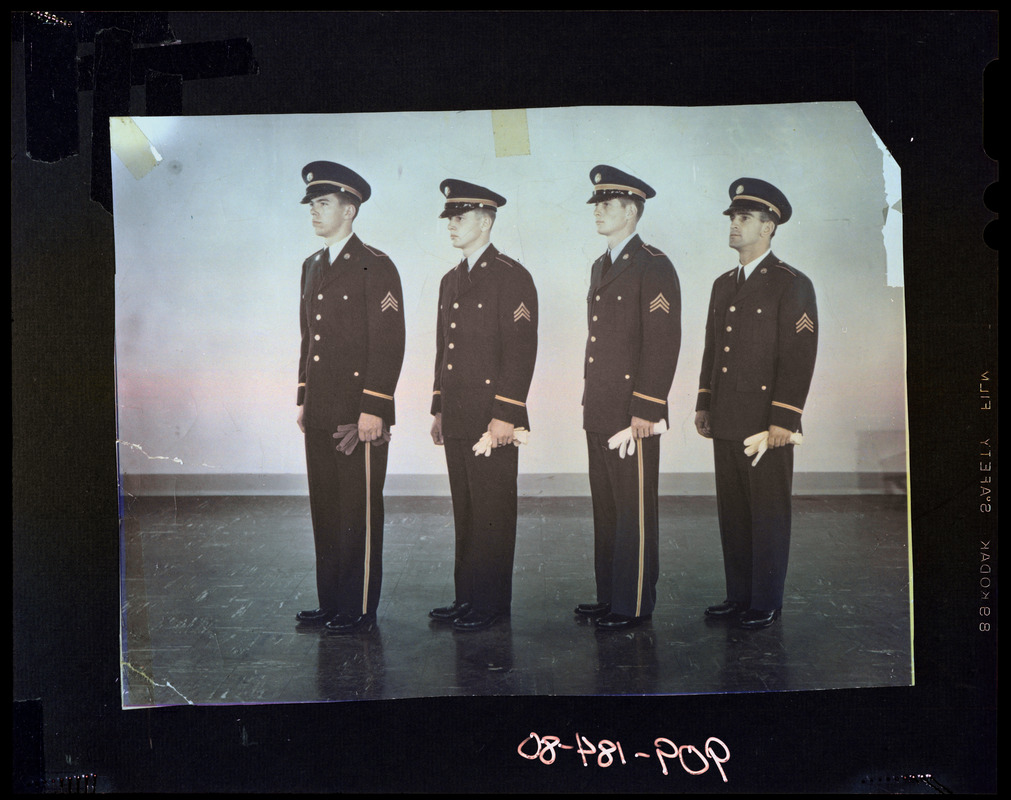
(607, 264)
(326, 255)
(740, 277)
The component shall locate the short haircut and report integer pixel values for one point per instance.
(638, 202)
(768, 216)
(485, 211)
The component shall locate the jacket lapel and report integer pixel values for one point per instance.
(478, 273)
(758, 276)
(623, 262)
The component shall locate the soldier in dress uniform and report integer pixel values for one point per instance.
(352, 324)
(486, 344)
(761, 341)
(634, 319)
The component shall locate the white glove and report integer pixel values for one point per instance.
(759, 443)
(624, 441)
(484, 444)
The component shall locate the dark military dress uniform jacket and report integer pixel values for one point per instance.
(632, 348)
(486, 345)
(353, 336)
(761, 342)
(634, 322)
(352, 322)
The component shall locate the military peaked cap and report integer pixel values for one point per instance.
(326, 177)
(751, 194)
(462, 197)
(609, 183)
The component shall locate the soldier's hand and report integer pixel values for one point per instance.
(641, 428)
(370, 427)
(779, 437)
(702, 424)
(437, 429)
(301, 418)
(502, 433)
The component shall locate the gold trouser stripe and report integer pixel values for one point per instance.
(368, 525)
(642, 535)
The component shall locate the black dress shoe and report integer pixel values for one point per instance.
(316, 616)
(344, 623)
(477, 620)
(448, 613)
(619, 622)
(727, 608)
(753, 619)
(593, 609)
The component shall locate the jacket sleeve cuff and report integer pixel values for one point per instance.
(784, 415)
(377, 404)
(508, 410)
(648, 407)
(436, 402)
(704, 400)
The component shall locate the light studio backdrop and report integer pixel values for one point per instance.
(209, 246)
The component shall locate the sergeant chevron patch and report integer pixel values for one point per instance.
(659, 302)
(805, 323)
(389, 302)
(521, 312)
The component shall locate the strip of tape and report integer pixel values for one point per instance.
(132, 146)
(509, 127)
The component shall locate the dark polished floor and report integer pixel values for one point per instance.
(211, 586)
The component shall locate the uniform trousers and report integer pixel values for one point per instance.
(484, 512)
(754, 505)
(346, 500)
(626, 520)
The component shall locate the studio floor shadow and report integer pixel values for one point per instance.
(211, 586)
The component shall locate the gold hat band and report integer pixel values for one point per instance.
(608, 187)
(478, 200)
(759, 200)
(343, 186)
